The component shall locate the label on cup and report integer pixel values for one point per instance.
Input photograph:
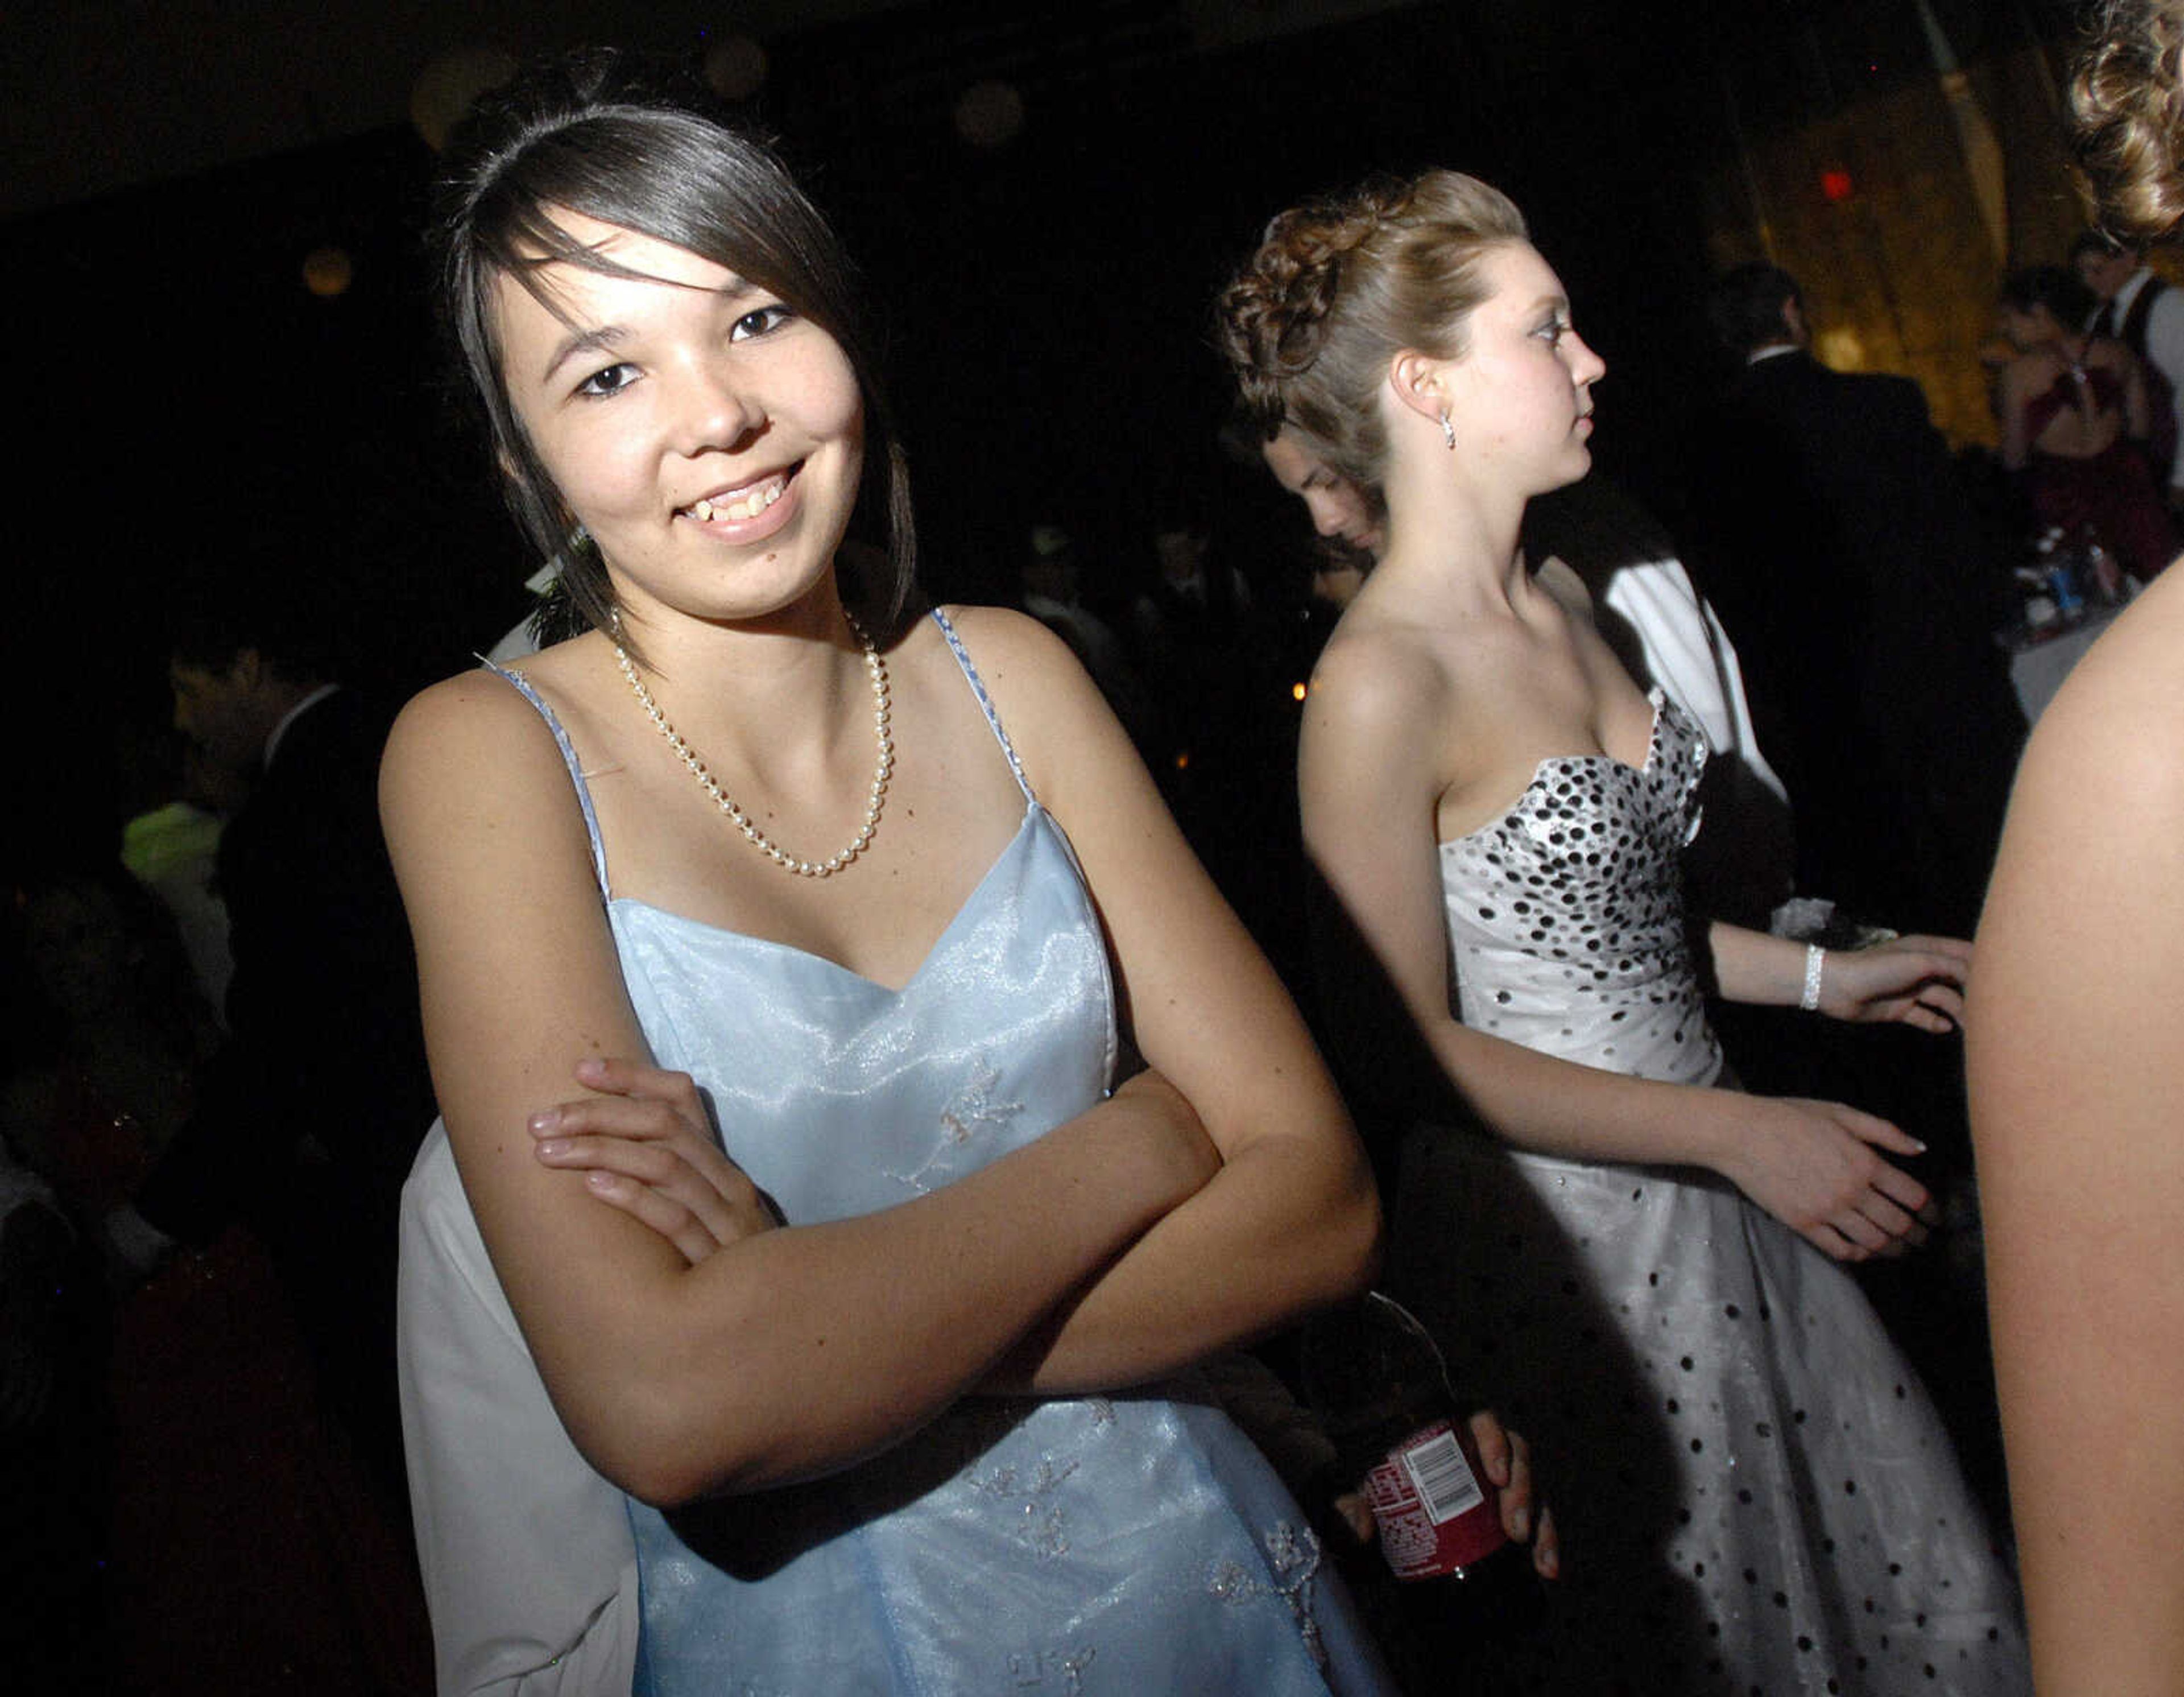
(1435, 1516)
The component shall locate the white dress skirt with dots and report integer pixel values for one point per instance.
(1754, 1493)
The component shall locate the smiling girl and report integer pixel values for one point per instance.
(887, 1387)
(1761, 1498)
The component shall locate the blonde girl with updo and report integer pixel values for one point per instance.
(2075, 1072)
(1766, 1499)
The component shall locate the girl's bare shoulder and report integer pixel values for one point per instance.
(1381, 674)
(2115, 732)
(997, 638)
(458, 716)
(472, 749)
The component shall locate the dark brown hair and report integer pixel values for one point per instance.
(1745, 307)
(615, 138)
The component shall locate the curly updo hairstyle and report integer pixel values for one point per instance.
(1338, 288)
(622, 140)
(2128, 97)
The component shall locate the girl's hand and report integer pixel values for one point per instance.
(1507, 1460)
(1813, 1166)
(645, 1145)
(1913, 981)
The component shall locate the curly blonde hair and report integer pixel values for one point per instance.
(1337, 288)
(2128, 97)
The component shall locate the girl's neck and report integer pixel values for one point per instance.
(1470, 550)
(780, 638)
(768, 682)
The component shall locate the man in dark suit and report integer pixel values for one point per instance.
(1827, 524)
(2146, 316)
(312, 1112)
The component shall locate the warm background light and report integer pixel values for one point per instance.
(736, 67)
(441, 97)
(328, 271)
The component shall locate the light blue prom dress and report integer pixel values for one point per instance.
(1128, 1543)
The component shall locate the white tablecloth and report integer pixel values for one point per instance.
(2038, 672)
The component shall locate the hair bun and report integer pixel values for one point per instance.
(2128, 98)
(1273, 313)
(1337, 287)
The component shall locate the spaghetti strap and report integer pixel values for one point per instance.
(576, 771)
(985, 703)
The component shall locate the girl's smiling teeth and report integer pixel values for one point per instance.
(748, 503)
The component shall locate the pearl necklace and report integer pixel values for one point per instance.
(875, 668)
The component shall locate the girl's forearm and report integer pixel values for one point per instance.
(1754, 967)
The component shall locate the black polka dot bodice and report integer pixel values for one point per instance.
(1566, 915)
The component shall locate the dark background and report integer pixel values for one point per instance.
(179, 397)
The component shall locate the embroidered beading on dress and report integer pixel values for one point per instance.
(1035, 1671)
(1568, 933)
(1043, 1530)
(1293, 1557)
(973, 1108)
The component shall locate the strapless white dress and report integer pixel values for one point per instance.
(1754, 1491)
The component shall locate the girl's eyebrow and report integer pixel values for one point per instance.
(609, 335)
(582, 342)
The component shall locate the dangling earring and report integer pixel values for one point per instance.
(1447, 431)
(579, 539)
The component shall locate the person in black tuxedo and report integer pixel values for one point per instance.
(1827, 525)
(314, 1109)
(2143, 312)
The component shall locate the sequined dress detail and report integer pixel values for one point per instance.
(1755, 1493)
(1066, 1547)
